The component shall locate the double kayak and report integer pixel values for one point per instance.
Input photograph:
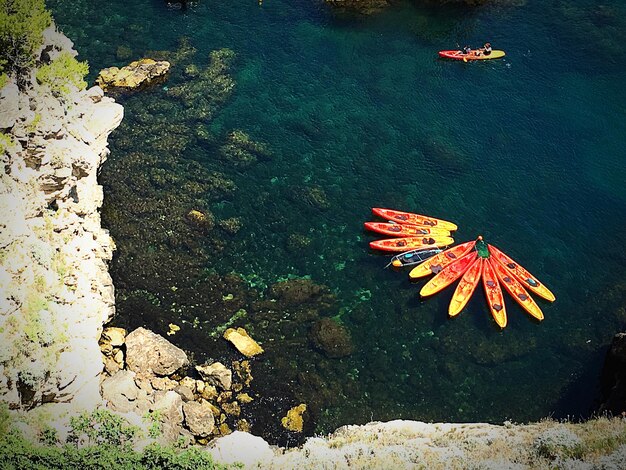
(413, 219)
(410, 243)
(475, 54)
(413, 257)
(404, 230)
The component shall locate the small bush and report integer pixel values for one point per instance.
(22, 23)
(4, 78)
(101, 427)
(63, 73)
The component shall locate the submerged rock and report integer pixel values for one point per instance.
(243, 342)
(201, 220)
(133, 76)
(331, 338)
(294, 421)
(148, 352)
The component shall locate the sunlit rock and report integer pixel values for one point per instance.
(216, 374)
(294, 420)
(136, 74)
(148, 352)
(243, 342)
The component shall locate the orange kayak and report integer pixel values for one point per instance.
(410, 243)
(404, 230)
(517, 291)
(466, 287)
(448, 275)
(495, 299)
(522, 275)
(440, 261)
(415, 219)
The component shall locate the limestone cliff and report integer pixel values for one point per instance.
(56, 292)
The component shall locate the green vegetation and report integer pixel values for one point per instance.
(96, 440)
(6, 141)
(63, 72)
(154, 418)
(22, 23)
(32, 127)
(4, 78)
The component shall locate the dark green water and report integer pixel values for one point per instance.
(358, 112)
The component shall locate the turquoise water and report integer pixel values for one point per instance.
(357, 112)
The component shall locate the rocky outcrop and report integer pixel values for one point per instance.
(147, 352)
(56, 290)
(613, 378)
(136, 75)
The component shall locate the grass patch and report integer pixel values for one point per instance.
(98, 440)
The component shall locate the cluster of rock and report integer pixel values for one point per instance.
(54, 281)
(145, 375)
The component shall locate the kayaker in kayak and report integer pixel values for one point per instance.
(467, 50)
(487, 48)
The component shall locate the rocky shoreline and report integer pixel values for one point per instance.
(58, 292)
(58, 360)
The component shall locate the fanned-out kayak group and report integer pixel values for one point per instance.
(467, 53)
(422, 239)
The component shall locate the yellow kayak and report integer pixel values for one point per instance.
(516, 290)
(440, 261)
(522, 275)
(448, 275)
(466, 287)
(495, 299)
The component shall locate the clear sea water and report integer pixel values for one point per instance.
(529, 151)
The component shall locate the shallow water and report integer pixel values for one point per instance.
(528, 151)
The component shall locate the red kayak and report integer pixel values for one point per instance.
(413, 219)
(404, 230)
(411, 243)
(474, 54)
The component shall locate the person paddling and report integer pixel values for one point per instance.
(487, 48)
